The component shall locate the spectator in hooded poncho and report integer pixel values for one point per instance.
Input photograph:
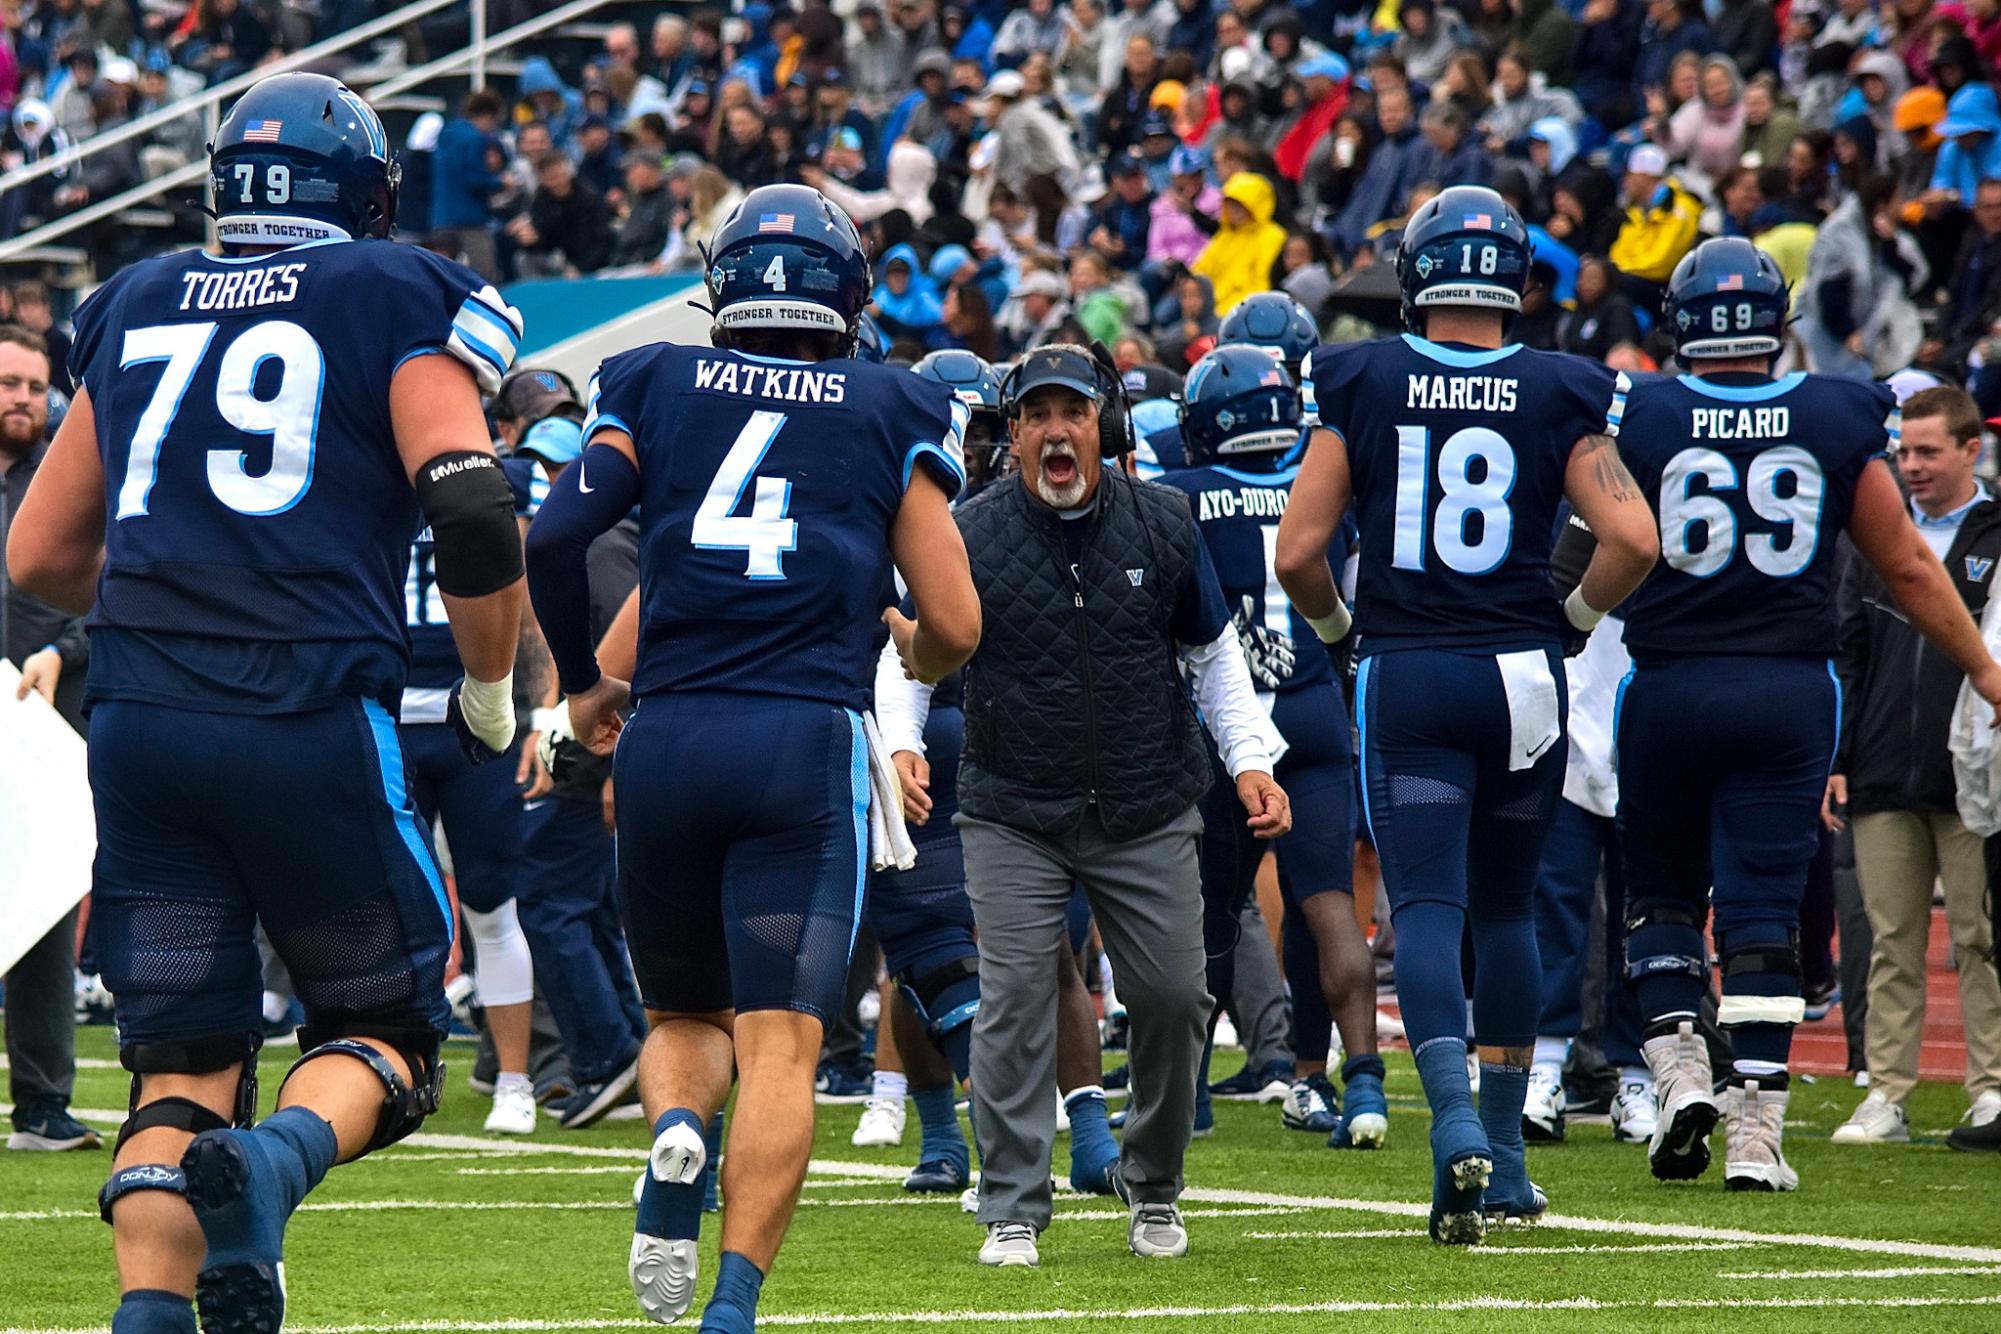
(1431, 37)
(1972, 152)
(906, 302)
(1520, 98)
(552, 101)
(1239, 257)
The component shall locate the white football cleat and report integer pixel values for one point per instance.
(1876, 1121)
(1684, 1092)
(1635, 1113)
(1754, 1124)
(663, 1276)
(513, 1111)
(881, 1124)
(1985, 1111)
(1010, 1245)
(1542, 1110)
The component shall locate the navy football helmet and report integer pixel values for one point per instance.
(787, 258)
(1275, 322)
(977, 385)
(1465, 246)
(1239, 401)
(301, 157)
(1727, 298)
(870, 345)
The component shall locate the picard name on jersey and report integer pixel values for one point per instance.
(787, 384)
(1241, 502)
(1740, 423)
(1462, 393)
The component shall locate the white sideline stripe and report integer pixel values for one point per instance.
(1490, 1249)
(807, 1320)
(82, 1063)
(1916, 1271)
(1917, 1250)
(1337, 1234)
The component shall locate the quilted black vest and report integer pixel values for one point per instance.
(1075, 696)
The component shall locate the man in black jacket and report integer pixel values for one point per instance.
(1083, 762)
(49, 648)
(1894, 777)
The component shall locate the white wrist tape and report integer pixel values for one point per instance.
(1580, 613)
(489, 709)
(1334, 626)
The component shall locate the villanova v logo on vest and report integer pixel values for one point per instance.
(1977, 568)
(1136, 576)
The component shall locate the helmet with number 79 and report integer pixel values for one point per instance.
(301, 157)
(1727, 298)
(787, 259)
(1464, 247)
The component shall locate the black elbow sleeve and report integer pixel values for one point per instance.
(476, 545)
(1571, 554)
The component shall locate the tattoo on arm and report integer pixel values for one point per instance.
(533, 670)
(1608, 470)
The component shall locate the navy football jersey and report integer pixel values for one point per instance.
(1237, 514)
(434, 655)
(1753, 479)
(767, 491)
(1458, 458)
(258, 515)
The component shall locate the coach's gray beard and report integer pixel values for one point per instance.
(1071, 494)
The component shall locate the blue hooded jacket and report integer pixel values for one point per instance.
(918, 313)
(1961, 167)
(539, 76)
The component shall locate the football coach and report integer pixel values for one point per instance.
(1084, 759)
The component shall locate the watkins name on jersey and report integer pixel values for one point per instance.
(788, 384)
(1462, 393)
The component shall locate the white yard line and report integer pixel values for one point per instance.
(804, 1320)
(1916, 1271)
(1917, 1250)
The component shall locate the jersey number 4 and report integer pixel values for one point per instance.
(1460, 498)
(765, 534)
(290, 416)
(1682, 508)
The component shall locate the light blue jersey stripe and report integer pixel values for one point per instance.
(1832, 755)
(1363, 675)
(389, 754)
(951, 466)
(858, 779)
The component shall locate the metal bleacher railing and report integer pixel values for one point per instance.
(473, 59)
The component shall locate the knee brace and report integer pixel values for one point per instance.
(198, 1056)
(505, 973)
(405, 1104)
(140, 1176)
(1665, 937)
(1761, 976)
(944, 997)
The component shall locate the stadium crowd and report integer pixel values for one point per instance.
(1056, 173)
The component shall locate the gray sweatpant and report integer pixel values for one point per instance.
(1147, 895)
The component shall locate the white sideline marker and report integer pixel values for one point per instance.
(1915, 1271)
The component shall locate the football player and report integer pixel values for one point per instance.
(1241, 418)
(236, 485)
(776, 479)
(1457, 450)
(1727, 723)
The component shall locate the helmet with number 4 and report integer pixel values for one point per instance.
(787, 258)
(1727, 298)
(1465, 246)
(1275, 322)
(1238, 401)
(301, 157)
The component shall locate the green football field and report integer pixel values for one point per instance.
(454, 1230)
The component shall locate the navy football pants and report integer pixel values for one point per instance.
(1460, 836)
(742, 850)
(210, 823)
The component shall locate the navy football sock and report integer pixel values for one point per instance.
(1431, 993)
(309, 1136)
(938, 1117)
(152, 1311)
(1093, 1151)
(1503, 1090)
(732, 1307)
(672, 1209)
(246, 1183)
